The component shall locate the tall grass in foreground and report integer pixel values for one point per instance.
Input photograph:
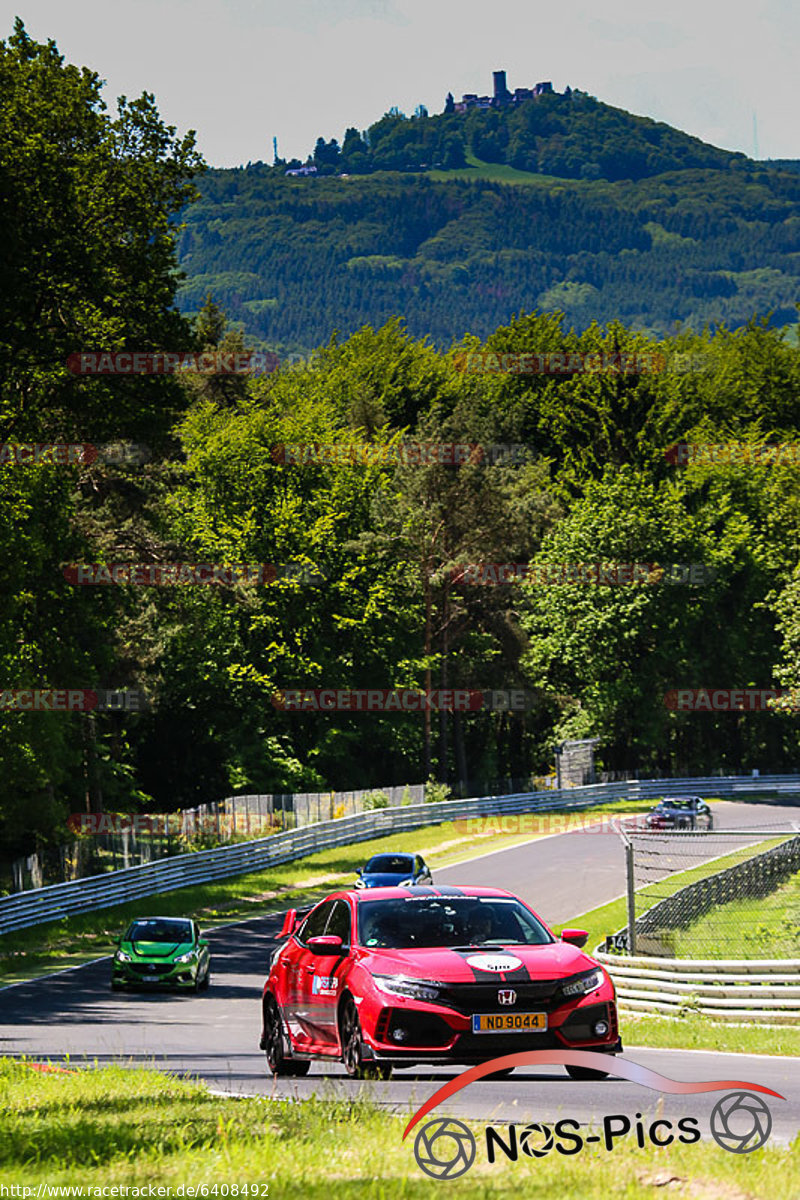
(117, 1126)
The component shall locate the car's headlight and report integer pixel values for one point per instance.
(121, 956)
(186, 957)
(584, 984)
(401, 985)
(359, 883)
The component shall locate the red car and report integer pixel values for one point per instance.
(398, 976)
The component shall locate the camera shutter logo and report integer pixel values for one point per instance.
(506, 996)
(527, 1140)
(741, 1122)
(444, 1149)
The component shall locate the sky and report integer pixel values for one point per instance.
(241, 72)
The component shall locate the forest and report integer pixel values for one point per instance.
(291, 260)
(370, 549)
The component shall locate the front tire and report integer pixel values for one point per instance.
(352, 1043)
(277, 1062)
(584, 1074)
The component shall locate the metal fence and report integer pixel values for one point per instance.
(151, 836)
(712, 894)
(85, 895)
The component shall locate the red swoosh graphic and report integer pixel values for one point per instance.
(622, 1067)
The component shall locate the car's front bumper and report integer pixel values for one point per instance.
(155, 975)
(433, 1034)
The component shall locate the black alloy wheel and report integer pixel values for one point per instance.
(352, 1043)
(277, 1061)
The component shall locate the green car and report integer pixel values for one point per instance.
(163, 952)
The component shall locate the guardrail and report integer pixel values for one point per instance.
(58, 901)
(763, 991)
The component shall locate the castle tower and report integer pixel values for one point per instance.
(500, 90)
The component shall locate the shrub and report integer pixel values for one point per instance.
(372, 800)
(436, 793)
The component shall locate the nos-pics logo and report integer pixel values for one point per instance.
(446, 1148)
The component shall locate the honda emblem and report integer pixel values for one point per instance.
(507, 996)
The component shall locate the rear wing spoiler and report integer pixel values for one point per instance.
(291, 921)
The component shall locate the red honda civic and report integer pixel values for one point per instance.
(398, 976)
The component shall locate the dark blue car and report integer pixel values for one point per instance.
(394, 870)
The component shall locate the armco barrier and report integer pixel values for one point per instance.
(763, 991)
(35, 907)
(116, 887)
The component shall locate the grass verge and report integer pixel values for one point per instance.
(29, 953)
(755, 927)
(114, 1126)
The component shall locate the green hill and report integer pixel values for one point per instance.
(570, 135)
(291, 259)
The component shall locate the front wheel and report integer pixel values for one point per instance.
(585, 1073)
(277, 1061)
(352, 1044)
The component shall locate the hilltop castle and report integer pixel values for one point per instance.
(502, 95)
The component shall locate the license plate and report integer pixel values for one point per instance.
(508, 1022)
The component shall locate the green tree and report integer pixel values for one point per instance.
(86, 206)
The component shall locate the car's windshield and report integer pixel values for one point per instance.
(448, 921)
(389, 864)
(159, 931)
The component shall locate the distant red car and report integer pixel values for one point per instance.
(403, 975)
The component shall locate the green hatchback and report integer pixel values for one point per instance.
(162, 952)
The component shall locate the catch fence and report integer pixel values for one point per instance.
(713, 894)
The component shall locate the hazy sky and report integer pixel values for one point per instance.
(241, 71)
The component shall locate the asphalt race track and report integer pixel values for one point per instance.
(215, 1035)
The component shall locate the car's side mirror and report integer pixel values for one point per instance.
(328, 943)
(575, 937)
(289, 922)
(202, 942)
